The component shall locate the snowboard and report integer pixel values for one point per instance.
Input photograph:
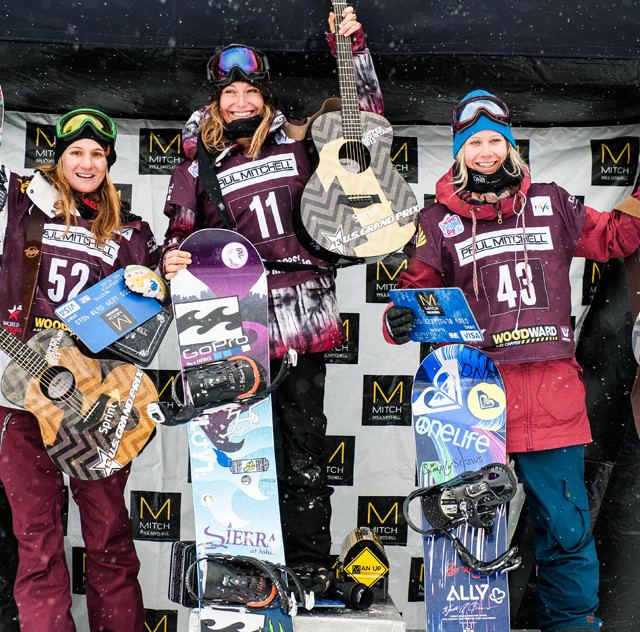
(220, 312)
(459, 419)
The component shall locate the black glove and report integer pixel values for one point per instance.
(399, 323)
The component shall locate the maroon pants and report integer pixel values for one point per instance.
(35, 490)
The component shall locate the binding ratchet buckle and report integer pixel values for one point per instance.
(472, 498)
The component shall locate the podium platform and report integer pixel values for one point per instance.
(381, 617)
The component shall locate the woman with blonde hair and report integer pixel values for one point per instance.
(262, 165)
(508, 242)
(72, 212)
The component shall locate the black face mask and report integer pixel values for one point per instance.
(492, 182)
(242, 128)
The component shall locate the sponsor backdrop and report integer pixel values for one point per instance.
(369, 382)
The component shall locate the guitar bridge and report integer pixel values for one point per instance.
(358, 201)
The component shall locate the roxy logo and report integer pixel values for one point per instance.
(451, 225)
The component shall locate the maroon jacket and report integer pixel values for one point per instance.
(525, 319)
(71, 260)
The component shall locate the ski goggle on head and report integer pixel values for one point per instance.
(467, 112)
(235, 63)
(74, 121)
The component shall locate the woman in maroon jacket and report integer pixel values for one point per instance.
(87, 235)
(262, 172)
(508, 243)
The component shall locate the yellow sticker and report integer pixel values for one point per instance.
(366, 568)
(486, 401)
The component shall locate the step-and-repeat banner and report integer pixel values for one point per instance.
(372, 465)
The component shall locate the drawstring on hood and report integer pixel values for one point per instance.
(494, 206)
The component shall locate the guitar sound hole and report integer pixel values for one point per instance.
(354, 157)
(57, 383)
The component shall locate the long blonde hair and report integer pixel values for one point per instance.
(107, 221)
(212, 130)
(519, 166)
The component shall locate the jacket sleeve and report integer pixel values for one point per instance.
(367, 84)
(605, 236)
(418, 275)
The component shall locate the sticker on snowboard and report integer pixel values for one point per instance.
(459, 417)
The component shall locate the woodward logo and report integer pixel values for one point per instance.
(155, 515)
(348, 352)
(160, 620)
(614, 161)
(382, 276)
(39, 143)
(416, 580)
(404, 156)
(383, 515)
(341, 460)
(386, 400)
(78, 570)
(160, 150)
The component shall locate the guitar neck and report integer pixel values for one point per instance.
(21, 354)
(351, 126)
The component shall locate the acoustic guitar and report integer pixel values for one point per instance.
(356, 204)
(94, 415)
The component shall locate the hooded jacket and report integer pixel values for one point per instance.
(511, 259)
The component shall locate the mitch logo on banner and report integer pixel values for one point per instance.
(404, 156)
(614, 161)
(160, 150)
(416, 580)
(341, 461)
(39, 142)
(160, 620)
(386, 400)
(382, 277)
(383, 515)
(348, 352)
(155, 515)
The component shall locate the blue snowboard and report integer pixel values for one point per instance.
(459, 417)
(220, 308)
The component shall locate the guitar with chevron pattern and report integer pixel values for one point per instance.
(356, 204)
(94, 415)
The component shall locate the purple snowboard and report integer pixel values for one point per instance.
(220, 307)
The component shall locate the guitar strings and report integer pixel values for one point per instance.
(36, 366)
(351, 120)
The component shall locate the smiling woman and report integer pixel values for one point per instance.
(261, 161)
(74, 203)
(510, 253)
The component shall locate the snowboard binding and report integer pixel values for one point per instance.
(248, 581)
(472, 498)
(238, 379)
